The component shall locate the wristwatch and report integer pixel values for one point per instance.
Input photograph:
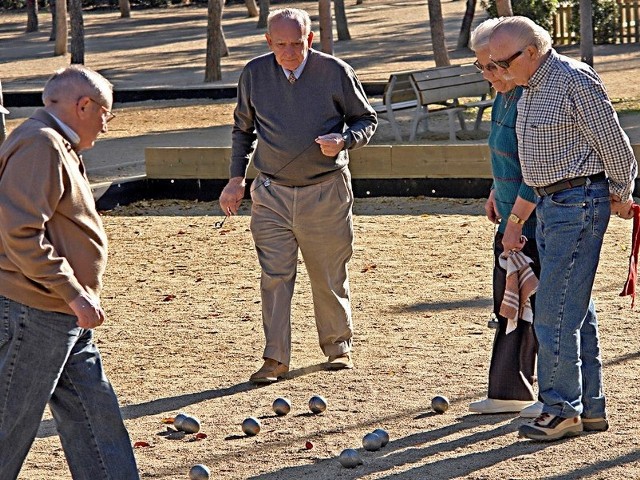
(516, 219)
(346, 137)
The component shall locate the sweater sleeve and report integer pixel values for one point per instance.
(31, 186)
(243, 136)
(360, 117)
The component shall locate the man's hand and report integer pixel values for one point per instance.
(88, 311)
(490, 208)
(622, 209)
(232, 195)
(330, 144)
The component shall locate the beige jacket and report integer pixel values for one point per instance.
(52, 242)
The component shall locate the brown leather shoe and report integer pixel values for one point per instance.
(270, 372)
(340, 362)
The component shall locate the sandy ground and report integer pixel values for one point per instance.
(184, 330)
(184, 334)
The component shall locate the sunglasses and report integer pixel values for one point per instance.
(489, 67)
(504, 64)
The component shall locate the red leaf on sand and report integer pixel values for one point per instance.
(308, 445)
(168, 298)
(141, 445)
(201, 436)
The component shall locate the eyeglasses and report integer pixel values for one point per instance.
(107, 114)
(504, 64)
(490, 67)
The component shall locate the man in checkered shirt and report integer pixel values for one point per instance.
(581, 165)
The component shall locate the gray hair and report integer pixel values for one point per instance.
(481, 34)
(295, 14)
(524, 31)
(75, 81)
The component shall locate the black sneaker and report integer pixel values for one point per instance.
(551, 427)
(597, 424)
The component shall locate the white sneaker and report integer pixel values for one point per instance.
(492, 405)
(532, 411)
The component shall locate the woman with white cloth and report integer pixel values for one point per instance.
(511, 206)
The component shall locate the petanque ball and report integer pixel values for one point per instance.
(440, 404)
(251, 426)
(384, 436)
(177, 421)
(317, 404)
(371, 442)
(190, 424)
(349, 458)
(281, 406)
(199, 472)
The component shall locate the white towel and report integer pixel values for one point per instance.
(520, 285)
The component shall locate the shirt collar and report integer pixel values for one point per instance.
(543, 70)
(298, 71)
(73, 137)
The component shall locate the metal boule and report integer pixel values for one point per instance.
(349, 458)
(190, 424)
(178, 419)
(384, 436)
(251, 426)
(199, 472)
(281, 406)
(440, 404)
(371, 442)
(317, 404)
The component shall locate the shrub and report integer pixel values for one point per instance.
(605, 18)
(540, 11)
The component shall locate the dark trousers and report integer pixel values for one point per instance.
(513, 360)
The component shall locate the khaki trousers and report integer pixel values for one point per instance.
(317, 219)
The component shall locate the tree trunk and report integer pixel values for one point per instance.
(467, 20)
(52, 8)
(221, 41)
(77, 31)
(125, 8)
(265, 5)
(341, 21)
(504, 8)
(252, 8)
(586, 32)
(326, 26)
(212, 70)
(436, 22)
(62, 29)
(32, 16)
(359, 2)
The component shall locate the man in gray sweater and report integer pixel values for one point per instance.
(305, 109)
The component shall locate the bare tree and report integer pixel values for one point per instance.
(252, 8)
(77, 31)
(586, 32)
(341, 21)
(326, 26)
(125, 8)
(213, 70)
(467, 20)
(504, 8)
(436, 22)
(265, 5)
(62, 30)
(52, 9)
(32, 16)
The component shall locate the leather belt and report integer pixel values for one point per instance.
(567, 184)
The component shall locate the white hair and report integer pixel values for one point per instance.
(75, 81)
(481, 34)
(296, 14)
(524, 31)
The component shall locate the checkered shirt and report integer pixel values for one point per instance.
(568, 128)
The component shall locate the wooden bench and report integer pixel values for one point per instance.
(439, 90)
(398, 95)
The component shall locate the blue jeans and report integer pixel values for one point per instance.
(571, 227)
(46, 358)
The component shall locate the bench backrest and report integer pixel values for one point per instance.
(440, 84)
(398, 89)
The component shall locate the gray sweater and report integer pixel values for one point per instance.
(286, 118)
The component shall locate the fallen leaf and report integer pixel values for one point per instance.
(141, 445)
(168, 298)
(168, 420)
